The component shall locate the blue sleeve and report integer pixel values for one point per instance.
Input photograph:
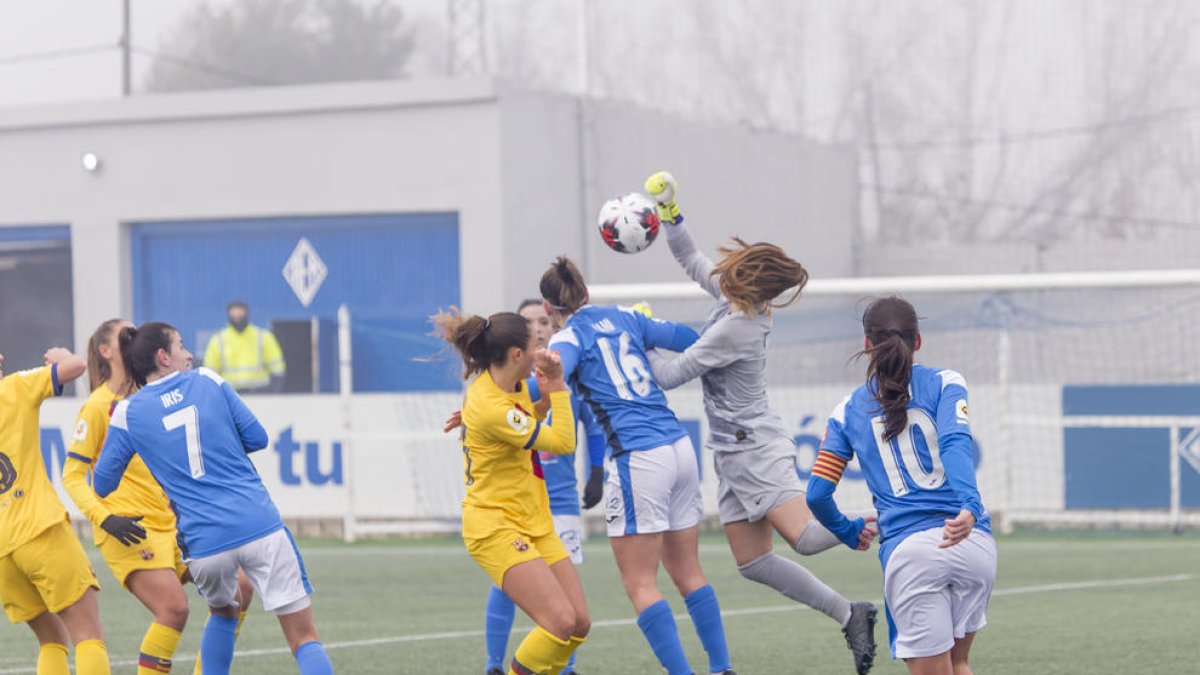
(657, 333)
(597, 442)
(569, 354)
(114, 457)
(955, 443)
(821, 503)
(534, 393)
(254, 436)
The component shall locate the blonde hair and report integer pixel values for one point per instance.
(753, 275)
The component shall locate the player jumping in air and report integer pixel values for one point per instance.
(506, 522)
(652, 493)
(753, 451)
(194, 434)
(46, 580)
(908, 427)
(134, 527)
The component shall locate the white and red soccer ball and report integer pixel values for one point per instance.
(629, 223)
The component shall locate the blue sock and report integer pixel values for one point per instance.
(500, 612)
(313, 659)
(705, 611)
(216, 645)
(570, 664)
(658, 625)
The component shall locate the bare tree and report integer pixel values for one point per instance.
(272, 42)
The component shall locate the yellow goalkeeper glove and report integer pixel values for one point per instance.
(644, 308)
(661, 187)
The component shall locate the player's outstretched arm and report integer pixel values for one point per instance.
(67, 366)
(661, 186)
(718, 347)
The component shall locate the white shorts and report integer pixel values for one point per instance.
(657, 490)
(570, 531)
(273, 565)
(937, 595)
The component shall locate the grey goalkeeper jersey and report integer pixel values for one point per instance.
(730, 358)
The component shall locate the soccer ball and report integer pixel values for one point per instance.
(629, 223)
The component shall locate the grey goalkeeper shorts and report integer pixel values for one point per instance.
(751, 483)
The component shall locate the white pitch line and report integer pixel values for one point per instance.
(613, 623)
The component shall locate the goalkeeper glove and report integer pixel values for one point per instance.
(594, 489)
(126, 530)
(661, 186)
(644, 308)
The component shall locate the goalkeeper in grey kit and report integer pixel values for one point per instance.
(754, 454)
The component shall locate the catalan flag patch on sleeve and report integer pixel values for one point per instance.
(829, 466)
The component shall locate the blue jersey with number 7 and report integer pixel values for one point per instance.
(194, 432)
(603, 350)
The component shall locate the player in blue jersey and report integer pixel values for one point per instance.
(194, 433)
(652, 491)
(908, 427)
(559, 473)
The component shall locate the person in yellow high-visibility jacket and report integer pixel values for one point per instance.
(246, 356)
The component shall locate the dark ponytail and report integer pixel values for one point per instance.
(139, 349)
(481, 342)
(892, 326)
(563, 287)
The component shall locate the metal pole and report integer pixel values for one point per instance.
(1007, 447)
(126, 49)
(1176, 508)
(346, 389)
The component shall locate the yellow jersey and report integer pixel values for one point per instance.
(137, 495)
(28, 503)
(501, 434)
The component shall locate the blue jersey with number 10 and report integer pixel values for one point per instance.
(603, 350)
(194, 432)
(924, 475)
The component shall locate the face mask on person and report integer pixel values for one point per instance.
(240, 324)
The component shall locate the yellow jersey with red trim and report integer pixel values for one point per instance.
(28, 503)
(500, 436)
(138, 493)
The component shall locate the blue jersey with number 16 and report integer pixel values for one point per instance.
(603, 350)
(194, 432)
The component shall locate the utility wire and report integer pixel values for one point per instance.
(1043, 134)
(192, 64)
(66, 53)
(1028, 208)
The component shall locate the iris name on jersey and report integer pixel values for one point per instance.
(194, 433)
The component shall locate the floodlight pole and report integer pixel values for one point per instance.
(126, 49)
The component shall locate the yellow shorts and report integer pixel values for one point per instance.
(47, 573)
(158, 551)
(505, 548)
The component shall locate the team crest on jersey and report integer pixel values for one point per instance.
(518, 421)
(146, 554)
(960, 411)
(521, 545)
(81, 430)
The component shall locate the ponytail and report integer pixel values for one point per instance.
(481, 342)
(99, 370)
(140, 346)
(891, 324)
(563, 286)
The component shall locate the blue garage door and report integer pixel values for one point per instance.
(392, 270)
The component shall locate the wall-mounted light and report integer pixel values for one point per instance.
(90, 162)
